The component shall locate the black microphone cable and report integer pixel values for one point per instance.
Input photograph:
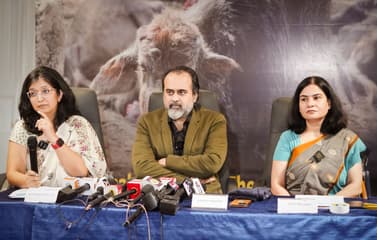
(129, 219)
(150, 202)
(69, 224)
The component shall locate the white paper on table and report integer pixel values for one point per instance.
(42, 194)
(293, 205)
(322, 200)
(20, 193)
(210, 201)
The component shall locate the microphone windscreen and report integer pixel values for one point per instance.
(147, 188)
(32, 142)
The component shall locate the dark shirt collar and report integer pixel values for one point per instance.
(178, 137)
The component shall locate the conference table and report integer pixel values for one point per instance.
(22, 220)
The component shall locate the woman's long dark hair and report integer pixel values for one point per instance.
(335, 119)
(66, 107)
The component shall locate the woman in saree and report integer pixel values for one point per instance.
(318, 154)
(67, 144)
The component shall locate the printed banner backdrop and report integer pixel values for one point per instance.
(248, 52)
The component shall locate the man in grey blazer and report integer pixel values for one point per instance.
(182, 139)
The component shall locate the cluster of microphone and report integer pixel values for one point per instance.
(144, 194)
(164, 196)
(151, 196)
(99, 197)
(96, 191)
(166, 199)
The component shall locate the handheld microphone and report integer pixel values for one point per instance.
(123, 195)
(81, 189)
(146, 189)
(169, 204)
(150, 202)
(99, 200)
(97, 193)
(32, 145)
(64, 193)
(133, 217)
(67, 193)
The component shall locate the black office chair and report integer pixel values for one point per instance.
(3, 182)
(86, 100)
(279, 123)
(208, 100)
(87, 103)
(366, 187)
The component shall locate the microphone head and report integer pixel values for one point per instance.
(32, 142)
(84, 187)
(150, 201)
(100, 190)
(81, 189)
(147, 188)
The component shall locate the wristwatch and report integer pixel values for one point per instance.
(58, 143)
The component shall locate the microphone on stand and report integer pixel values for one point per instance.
(32, 145)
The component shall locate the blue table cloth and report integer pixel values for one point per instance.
(260, 220)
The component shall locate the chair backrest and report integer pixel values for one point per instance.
(86, 100)
(278, 123)
(208, 100)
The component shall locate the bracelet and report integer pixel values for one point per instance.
(58, 143)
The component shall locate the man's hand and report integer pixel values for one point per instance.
(162, 162)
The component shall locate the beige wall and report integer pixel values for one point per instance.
(16, 60)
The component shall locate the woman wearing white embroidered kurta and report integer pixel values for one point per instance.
(48, 110)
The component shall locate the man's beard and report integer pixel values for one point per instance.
(177, 113)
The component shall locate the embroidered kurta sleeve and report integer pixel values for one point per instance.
(83, 140)
(18, 133)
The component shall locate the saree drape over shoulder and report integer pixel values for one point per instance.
(315, 166)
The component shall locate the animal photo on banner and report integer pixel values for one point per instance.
(247, 52)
